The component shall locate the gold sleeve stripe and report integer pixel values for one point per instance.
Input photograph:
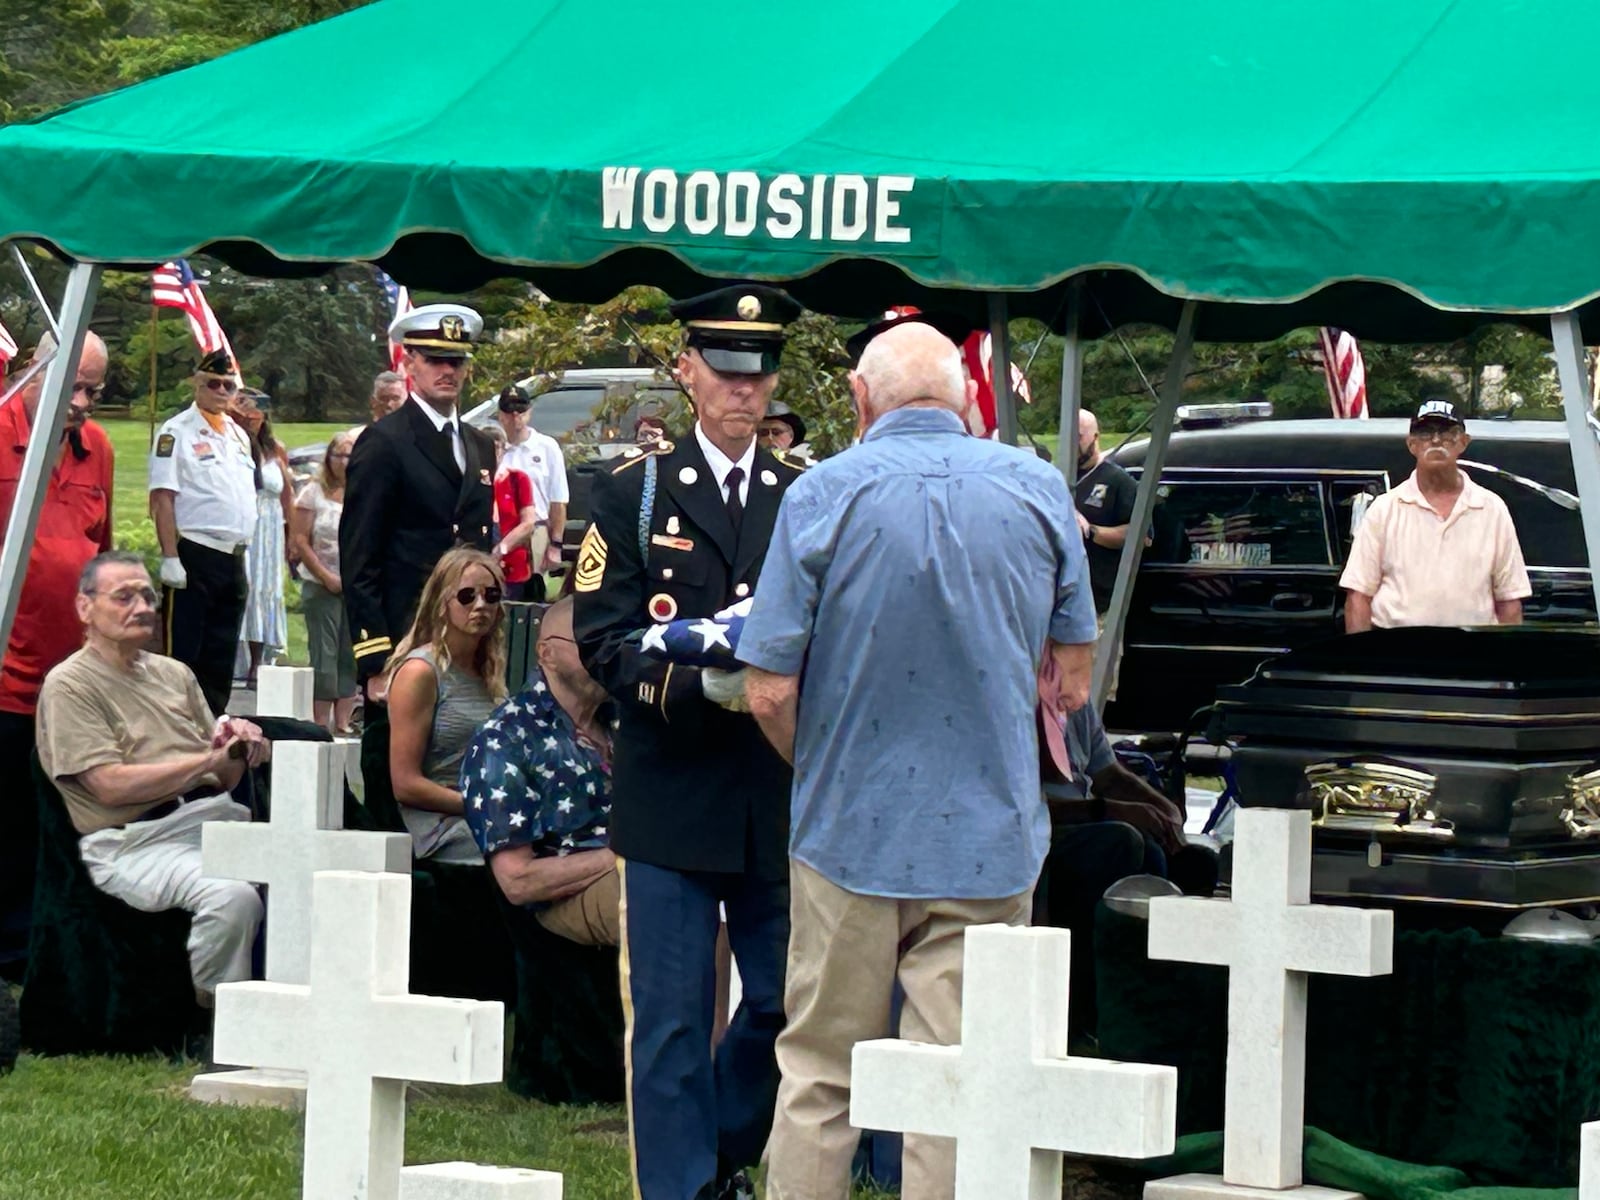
(591, 561)
(375, 645)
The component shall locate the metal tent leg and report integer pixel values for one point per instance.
(1571, 366)
(1109, 651)
(1005, 402)
(44, 440)
(1071, 386)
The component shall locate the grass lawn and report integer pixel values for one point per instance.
(130, 508)
(114, 1128)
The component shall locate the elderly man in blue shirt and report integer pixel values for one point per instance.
(920, 579)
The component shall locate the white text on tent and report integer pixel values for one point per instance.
(840, 208)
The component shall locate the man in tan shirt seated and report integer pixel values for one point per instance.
(142, 765)
(1438, 549)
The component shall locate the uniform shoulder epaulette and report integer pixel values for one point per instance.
(788, 460)
(634, 455)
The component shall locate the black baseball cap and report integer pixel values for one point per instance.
(1436, 412)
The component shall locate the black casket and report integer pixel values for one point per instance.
(1448, 765)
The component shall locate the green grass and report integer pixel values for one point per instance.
(130, 506)
(113, 1128)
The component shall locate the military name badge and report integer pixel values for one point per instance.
(591, 562)
(165, 444)
(662, 607)
(671, 543)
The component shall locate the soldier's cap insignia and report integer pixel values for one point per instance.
(591, 562)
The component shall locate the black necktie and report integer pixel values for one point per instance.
(735, 505)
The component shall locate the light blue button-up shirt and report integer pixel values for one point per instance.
(912, 582)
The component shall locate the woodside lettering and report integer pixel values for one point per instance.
(735, 204)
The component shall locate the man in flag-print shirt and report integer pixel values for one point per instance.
(536, 787)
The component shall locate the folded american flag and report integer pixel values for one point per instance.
(699, 641)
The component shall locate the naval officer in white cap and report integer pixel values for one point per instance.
(419, 483)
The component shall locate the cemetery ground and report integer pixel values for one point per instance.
(111, 1128)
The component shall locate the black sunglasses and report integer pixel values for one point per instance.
(442, 360)
(222, 385)
(468, 596)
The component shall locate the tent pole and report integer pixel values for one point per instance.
(1571, 367)
(44, 439)
(1109, 652)
(1071, 385)
(1005, 403)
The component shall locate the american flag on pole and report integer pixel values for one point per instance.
(8, 346)
(400, 298)
(175, 286)
(1345, 371)
(977, 351)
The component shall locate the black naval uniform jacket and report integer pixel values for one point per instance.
(694, 787)
(405, 504)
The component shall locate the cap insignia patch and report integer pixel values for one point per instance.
(450, 327)
(749, 308)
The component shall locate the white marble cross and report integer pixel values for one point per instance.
(1008, 1093)
(304, 836)
(474, 1181)
(1589, 1161)
(285, 692)
(358, 1035)
(1270, 937)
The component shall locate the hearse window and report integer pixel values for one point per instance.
(1239, 524)
(1351, 497)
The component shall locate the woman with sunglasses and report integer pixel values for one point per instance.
(444, 679)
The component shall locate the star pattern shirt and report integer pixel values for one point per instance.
(531, 779)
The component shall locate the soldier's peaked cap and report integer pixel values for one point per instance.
(738, 330)
(442, 330)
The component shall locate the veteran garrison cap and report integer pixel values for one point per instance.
(953, 325)
(442, 330)
(738, 330)
(217, 362)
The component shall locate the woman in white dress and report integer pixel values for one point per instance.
(266, 624)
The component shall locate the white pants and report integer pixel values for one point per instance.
(155, 865)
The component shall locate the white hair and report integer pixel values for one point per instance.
(912, 362)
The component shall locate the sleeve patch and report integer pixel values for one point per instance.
(591, 561)
(164, 445)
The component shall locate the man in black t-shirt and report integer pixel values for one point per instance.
(1105, 494)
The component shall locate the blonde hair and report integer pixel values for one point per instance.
(324, 476)
(489, 664)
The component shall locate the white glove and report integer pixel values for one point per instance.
(173, 574)
(725, 688)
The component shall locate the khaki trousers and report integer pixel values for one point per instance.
(845, 953)
(590, 917)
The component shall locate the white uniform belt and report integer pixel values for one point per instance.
(221, 545)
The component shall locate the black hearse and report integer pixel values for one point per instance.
(1252, 528)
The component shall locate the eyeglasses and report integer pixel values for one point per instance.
(226, 386)
(340, 454)
(1447, 435)
(467, 596)
(125, 597)
(91, 390)
(556, 637)
(442, 360)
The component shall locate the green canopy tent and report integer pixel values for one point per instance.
(1404, 171)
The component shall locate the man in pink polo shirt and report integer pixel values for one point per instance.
(1438, 549)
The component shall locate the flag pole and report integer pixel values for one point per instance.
(152, 414)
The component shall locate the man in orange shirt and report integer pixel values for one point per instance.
(74, 526)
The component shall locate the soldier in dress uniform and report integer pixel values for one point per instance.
(419, 482)
(203, 501)
(700, 801)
